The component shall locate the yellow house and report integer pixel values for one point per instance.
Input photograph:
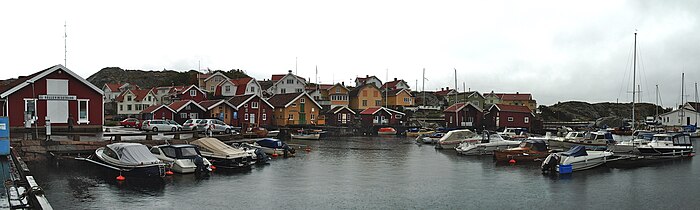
(338, 94)
(365, 96)
(209, 83)
(398, 98)
(296, 109)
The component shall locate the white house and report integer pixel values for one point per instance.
(286, 83)
(132, 102)
(359, 81)
(238, 87)
(680, 117)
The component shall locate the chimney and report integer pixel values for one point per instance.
(343, 83)
(394, 78)
(442, 89)
(367, 76)
(516, 93)
(447, 88)
(290, 71)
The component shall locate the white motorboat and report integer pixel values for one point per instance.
(273, 133)
(129, 159)
(183, 158)
(513, 133)
(222, 155)
(489, 143)
(455, 137)
(306, 135)
(641, 137)
(576, 159)
(668, 145)
(598, 140)
(429, 138)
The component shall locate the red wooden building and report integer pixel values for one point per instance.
(381, 116)
(340, 116)
(55, 93)
(185, 110)
(251, 111)
(191, 92)
(158, 111)
(464, 115)
(501, 116)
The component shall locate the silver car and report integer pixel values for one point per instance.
(172, 122)
(215, 126)
(191, 125)
(157, 125)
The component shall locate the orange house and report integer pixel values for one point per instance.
(338, 94)
(296, 109)
(399, 98)
(365, 96)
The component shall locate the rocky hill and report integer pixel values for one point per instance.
(148, 79)
(582, 111)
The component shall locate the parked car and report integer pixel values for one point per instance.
(172, 122)
(130, 122)
(191, 124)
(158, 125)
(215, 126)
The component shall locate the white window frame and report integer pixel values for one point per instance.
(254, 105)
(291, 117)
(527, 119)
(183, 115)
(302, 100)
(228, 88)
(245, 116)
(264, 116)
(25, 105)
(194, 115)
(313, 117)
(193, 93)
(510, 119)
(86, 120)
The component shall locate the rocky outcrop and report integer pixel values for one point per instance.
(582, 111)
(148, 79)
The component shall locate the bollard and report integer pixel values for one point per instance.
(176, 136)
(149, 137)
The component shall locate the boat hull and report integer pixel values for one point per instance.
(665, 152)
(484, 150)
(315, 136)
(518, 156)
(144, 171)
(569, 144)
(231, 163)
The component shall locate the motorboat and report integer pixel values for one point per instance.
(514, 133)
(182, 158)
(429, 138)
(640, 137)
(129, 159)
(306, 135)
(415, 132)
(455, 137)
(575, 159)
(222, 155)
(386, 131)
(668, 145)
(255, 151)
(489, 143)
(272, 133)
(272, 146)
(599, 140)
(529, 150)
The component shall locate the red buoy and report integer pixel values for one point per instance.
(307, 149)
(274, 154)
(169, 173)
(511, 161)
(120, 178)
(212, 167)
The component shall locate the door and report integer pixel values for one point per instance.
(252, 118)
(344, 118)
(687, 121)
(302, 117)
(57, 110)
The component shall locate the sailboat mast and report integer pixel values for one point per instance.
(696, 103)
(65, 44)
(423, 87)
(682, 97)
(656, 107)
(634, 77)
(456, 86)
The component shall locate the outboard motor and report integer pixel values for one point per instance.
(549, 165)
(262, 158)
(201, 167)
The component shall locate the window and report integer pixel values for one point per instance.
(211, 88)
(290, 81)
(364, 93)
(378, 102)
(299, 90)
(183, 115)
(313, 117)
(376, 94)
(128, 98)
(254, 105)
(30, 106)
(128, 107)
(291, 117)
(407, 100)
(312, 109)
(121, 107)
(340, 116)
(316, 98)
(364, 102)
(252, 89)
(188, 107)
(194, 115)
(302, 100)
(337, 90)
(510, 119)
(527, 119)
(293, 105)
(228, 88)
(450, 119)
(245, 116)
(264, 116)
(83, 110)
(193, 93)
(283, 91)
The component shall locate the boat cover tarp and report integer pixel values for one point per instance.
(458, 135)
(217, 147)
(576, 151)
(133, 153)
(537, 144)
(270, 143)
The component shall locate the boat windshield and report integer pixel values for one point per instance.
(458, 135)
(661, 138)
(189, 152)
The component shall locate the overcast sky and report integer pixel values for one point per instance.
(556, 50)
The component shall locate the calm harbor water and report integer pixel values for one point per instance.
(381, 173)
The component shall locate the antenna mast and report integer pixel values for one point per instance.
(456, 86)
(65, 44)
(423, 87)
